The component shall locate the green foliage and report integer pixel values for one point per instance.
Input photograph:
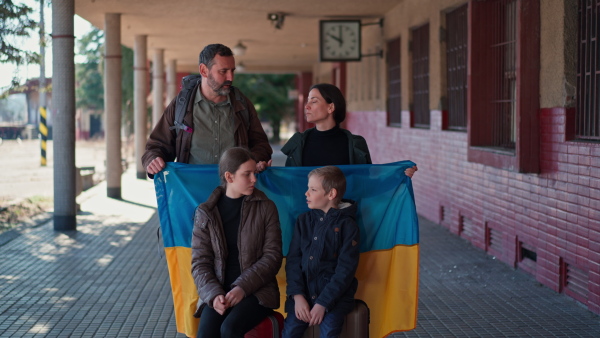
(89, 92)
(127, 87)
(269, 93)
(15, 22)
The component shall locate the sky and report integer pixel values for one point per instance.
(24, 72)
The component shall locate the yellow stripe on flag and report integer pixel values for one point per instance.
(387, 282)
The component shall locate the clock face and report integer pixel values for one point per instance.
(340, 40)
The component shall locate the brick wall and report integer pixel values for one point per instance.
(547, 224)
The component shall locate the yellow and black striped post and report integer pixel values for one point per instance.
(44, 133)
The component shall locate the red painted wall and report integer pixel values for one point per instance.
(555, 214)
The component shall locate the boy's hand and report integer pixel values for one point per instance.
(220, 304)
(235, 296)
(316, 314)
(301, 308)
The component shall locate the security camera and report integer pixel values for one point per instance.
(276, 19)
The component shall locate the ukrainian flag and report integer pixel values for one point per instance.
(389, 262)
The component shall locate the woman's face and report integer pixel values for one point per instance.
(242, 181)
(317, 109)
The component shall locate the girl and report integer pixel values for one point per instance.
(236, 251)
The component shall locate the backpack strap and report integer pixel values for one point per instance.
(187, 85)
(245, 113)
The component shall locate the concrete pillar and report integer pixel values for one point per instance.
(63, 107)
(112, 103)
(171, 80)
(158, 85)
(140, 90)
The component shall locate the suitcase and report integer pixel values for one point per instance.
(356, 323)
(269, 327)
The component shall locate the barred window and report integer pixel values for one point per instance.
(587, 121)
(420, 75)
(394, 105)
(503, 50)
(456, 61)
(503, 98)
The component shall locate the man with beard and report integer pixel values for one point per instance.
(218, 117)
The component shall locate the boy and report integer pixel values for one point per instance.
(323, 258)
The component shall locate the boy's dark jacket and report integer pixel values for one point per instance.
(323, 258)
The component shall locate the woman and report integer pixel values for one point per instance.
(327, 143)
(236, 251)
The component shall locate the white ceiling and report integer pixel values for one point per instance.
(184, 27)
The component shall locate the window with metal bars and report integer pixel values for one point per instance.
(420, 76)
(587, 120)
(503, 84)
(394, 105)
(456, 63)
(503, 51)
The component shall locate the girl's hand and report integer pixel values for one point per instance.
(235, 296)
(220, 304)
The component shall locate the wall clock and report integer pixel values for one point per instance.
(339, 40)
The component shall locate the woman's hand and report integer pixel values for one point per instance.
(235, 296)
(411, 171)
(301, 308)
(220, 304)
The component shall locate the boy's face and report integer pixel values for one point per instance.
(316, 197)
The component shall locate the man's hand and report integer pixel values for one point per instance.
(235, 296)
(155, 166)
(411, 171)
(220, 304)
(301, 308)
(262, 165)
(316, 315)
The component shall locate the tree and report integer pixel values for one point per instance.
(15, 22)
(89, 92)
(269, 94)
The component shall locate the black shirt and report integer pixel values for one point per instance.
(230, 211)
(329, 147)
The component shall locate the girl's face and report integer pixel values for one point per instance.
(242, 181)
(317, 109)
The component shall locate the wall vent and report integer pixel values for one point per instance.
(527, 258)
(467, 228)
(575, 282)
(494, 240)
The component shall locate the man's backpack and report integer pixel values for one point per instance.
(186, 94)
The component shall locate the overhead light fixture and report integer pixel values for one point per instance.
(276, 19)
(240, 67)
(239, 49)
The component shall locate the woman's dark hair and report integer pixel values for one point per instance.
(333, 94)
(207, 55)
(231, 160)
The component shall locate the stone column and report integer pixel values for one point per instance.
(63, 107)
(171, 80)
(140, 89)
(112, 103)
(158, 85)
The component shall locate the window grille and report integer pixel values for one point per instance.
(588, 71)
(394, 83)
(456, 60)
(503, 51)
(420, 76)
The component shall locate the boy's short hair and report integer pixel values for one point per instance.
(332, 178)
